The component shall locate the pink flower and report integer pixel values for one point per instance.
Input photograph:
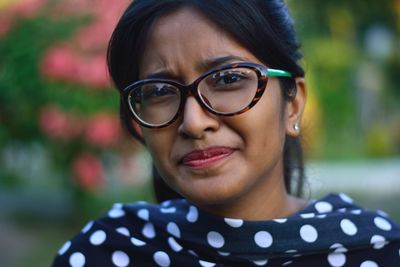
(64, 9)
(63, 63)
(103, 130)
(28, 8)
(82, 60)
(59, 62)
(10, 13)
(94, 36)
(5, 25)
(92, 71)
(88, 172)
(57, 124)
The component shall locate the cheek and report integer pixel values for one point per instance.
(159, 143)
(263, 126)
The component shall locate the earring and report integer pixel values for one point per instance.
(296, 127)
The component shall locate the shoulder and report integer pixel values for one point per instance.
(350, 216)
(338, 218)
(336, 231)
(121, 232)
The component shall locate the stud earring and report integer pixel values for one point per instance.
(296, 127)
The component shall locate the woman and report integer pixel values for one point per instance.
(214, 90)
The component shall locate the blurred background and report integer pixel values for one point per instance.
(64, 159)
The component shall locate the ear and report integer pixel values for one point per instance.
(136, 128)
(295, 108)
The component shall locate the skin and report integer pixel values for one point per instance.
(249, 183)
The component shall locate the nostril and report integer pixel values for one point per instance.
(196, 120)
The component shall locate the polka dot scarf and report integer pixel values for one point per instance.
(329, 232)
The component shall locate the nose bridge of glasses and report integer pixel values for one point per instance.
(191, 90)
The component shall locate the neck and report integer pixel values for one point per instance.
(267, 201)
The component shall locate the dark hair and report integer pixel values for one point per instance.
(264, 27)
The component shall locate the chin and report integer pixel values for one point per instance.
(211, 195)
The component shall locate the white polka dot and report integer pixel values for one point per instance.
(215, 239)
(173, 229)
(168, 210)
(77, 259)
(378, 241)
(116, 213)
(356, 212)
(162, 259)
(346, 198)
(307, 215)
(192, 215)
(166, 203)
(287, 263)
(280, 220)
(87, 227)
(223, 253)
(338, 248)
(382, 213)
(321, 216)
(148, 230)
(308, 233)
(64, 248)
(193, 253)
(137, 242)
(143, 214)
(174, 245)
(399, 251)
(98, 238)
(117, 206)
(382, 224)
(342, 210)
(260, 262)
(323, 207)
(123, 231)
(337, 259)
(234, 222)
(206, 263)
(120, 259)
(263, 239)
(348, 227)
(291, 251)
(369, 264)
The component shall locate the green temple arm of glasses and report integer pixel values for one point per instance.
(278, 73)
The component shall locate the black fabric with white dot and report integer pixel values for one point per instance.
(330, 232)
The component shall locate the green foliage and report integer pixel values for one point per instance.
(23, 90)
(334, 40)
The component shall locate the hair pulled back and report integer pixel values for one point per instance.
(264, 27)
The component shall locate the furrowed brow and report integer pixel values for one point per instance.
(211, 63)
(160, 75)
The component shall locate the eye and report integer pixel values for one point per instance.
(157, 91)
(225, 78)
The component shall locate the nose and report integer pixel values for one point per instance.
(196, 121)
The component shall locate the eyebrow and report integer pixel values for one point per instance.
(202, 66)
(164, 74)
(217, 61)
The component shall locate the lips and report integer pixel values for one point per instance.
(207, 157)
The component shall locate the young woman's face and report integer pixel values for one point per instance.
(212, 159)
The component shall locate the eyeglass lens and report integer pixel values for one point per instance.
(225, 92)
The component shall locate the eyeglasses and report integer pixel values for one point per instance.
(226, 91)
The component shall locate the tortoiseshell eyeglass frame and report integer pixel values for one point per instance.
(262, 72)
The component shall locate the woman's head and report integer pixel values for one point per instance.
(207, 158)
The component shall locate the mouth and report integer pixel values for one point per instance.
(200, 159)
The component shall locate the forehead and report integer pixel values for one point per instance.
(183, 20)
(184, 37)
